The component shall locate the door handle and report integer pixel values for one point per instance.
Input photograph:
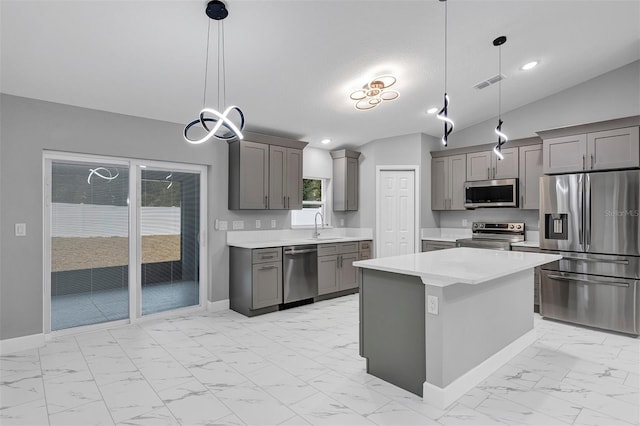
(582, 280)
(264, 268)
(619, 262)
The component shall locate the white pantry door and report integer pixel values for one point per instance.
(397, 212)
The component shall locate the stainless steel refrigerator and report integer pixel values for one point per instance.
(593, 220)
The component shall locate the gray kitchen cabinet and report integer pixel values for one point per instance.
(431, 245)
(265, 172)
(335, 269)
(255, 280)
(530, 171)
(248, 175)
(536, 277)
(486, 165)
(345, 180)
(285, 178)
(604, 150)
(448, 175)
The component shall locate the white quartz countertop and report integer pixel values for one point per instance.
(465, 265)
(295, 237)
(295, 242)
(530, 244)
(445, 234)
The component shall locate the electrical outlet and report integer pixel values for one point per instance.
(464, 223)
(258, 224)
(21, 229)
(432, 305)
(273, 223)
(238, 224)
(222, 225)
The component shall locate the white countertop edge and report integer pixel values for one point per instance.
(443, 279)
(294, 242)
(532, 244)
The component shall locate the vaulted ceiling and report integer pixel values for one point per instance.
(291, 65)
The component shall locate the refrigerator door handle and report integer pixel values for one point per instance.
(581, 216)
(567, 278)
(619, 262)
(587, 212)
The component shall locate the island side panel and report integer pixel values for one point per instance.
(392, 328)
(474, 322)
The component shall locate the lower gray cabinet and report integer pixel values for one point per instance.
(431, 245)
(536, 277)
(255, 280)
(335, 267)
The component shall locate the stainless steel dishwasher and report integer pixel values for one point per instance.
(300, 273)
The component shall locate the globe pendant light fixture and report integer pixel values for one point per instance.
(502, 138)
(217, 125)
(443, 114)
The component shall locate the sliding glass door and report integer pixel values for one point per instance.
(170, 229)
(89, 243)
(123, 239)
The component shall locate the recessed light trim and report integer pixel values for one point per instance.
(325, 141)
(432, 110)
(529, 65)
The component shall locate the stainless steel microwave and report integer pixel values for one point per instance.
(491, 193)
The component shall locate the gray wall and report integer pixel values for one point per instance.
(27, 127)
(413, 149)
(615, 94)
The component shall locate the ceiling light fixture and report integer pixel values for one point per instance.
(432, 110)
(444, 112)
(502, 138)
(374, 92)
(223, 128)
(325, 141)
(529, 65)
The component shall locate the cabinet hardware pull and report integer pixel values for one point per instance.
(284, 201)
(521, 201)
(267, 257)
(266, 204)
(583, 161)
(488, 172)
(619, 262)
(592, 161)
(612, 283)
(494, 172)
(268, 267)
(288, 201)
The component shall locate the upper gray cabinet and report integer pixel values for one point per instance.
(265, 172)
(584, 148)
(285, 178)
(530, 172)
(448, 175)
(486, 165)
(345, 180)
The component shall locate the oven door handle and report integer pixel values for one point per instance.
(619, 262)
(565, 278)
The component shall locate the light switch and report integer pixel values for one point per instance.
(238, 224)
(222, 225)
(21, 229)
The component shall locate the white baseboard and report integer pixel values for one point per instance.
(218, 305)
(443, 397)
(23, 343)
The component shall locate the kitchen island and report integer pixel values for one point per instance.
(440, 322)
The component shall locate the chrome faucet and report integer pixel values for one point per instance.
(316, 234)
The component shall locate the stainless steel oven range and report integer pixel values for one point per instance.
(493, 235)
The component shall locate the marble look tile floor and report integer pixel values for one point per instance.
(299, 367)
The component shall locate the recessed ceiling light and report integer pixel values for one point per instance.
(326, 141)
(529, 65)
(432, 110)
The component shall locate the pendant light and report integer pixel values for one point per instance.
(217, 125)
(502, 138)
(443, 113)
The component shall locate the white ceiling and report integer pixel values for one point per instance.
(291, 64)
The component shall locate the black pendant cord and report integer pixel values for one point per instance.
(443, 114)
(206, 67)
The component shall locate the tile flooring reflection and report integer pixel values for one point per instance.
(74, 310)
(299, 367)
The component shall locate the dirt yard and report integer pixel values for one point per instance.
(68, 254)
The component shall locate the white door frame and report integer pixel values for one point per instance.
(416, 176)
(134, 165)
